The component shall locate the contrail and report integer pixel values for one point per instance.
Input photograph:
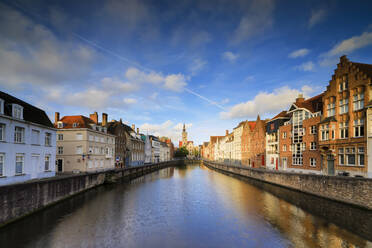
(118, 56)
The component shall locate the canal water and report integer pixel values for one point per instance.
(190, 206)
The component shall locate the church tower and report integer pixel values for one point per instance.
(184, 135)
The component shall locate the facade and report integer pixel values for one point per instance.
(137, 148)
(298, 137)
(164, 151)
(83, 144)
(369, 139)
(148, 149)
(122, 142)
(28, 142)
(187, 143)
(272, 140)
(236, 144)
(253, 143)
(342, 134)
(155, 149)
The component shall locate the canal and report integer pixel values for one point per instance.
(189, 206)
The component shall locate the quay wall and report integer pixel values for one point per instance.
(19, 200)
(349, 190)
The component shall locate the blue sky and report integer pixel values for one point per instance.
(159, 64)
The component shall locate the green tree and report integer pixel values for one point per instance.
(181, 152)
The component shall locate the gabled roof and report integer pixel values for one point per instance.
(366, 68)
(80, 120)
(30, 113)
(311, 104)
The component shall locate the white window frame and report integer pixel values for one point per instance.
(361, 156)
(2, 131)
(331, 109)
(324, 132)
(17, 111)
(358, 101)
(60, 124)
(20, 158)
(47, 163)
(359, 128)
(60, 150)
(19, 135)
(284, 135)
(313, 129)
(2, 163)
(344, 106)
(60, 136)
(312, 162)
(344, 130)
(312, 146)
(48, 139)
(79, 136)
(79, 150)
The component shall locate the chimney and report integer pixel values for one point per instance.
(94, 117)
(137, 130)
(133, 127)
(56, 117)
(300, 98)
(104, 119)
(227, 132)
(121, 121)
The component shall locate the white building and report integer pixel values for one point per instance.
(155, 149)
(28, 142)
(164, 152)
(237, 143)
(148, 150)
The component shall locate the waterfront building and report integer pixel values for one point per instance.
(155, 149)
(298, 137)
(253, 143)
(122, 142)
(236, 144)
(369, 139)
(27, 142)
(137, 148)
(83, 144)
(342, 134)
(148, 149)
(164, 152)
(272, 140)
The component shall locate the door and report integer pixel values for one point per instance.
(35, 166)
(276, 163)
(59, 165)
(284, 163)
(331, 165)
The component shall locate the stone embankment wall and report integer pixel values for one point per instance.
(19, 200)
(355, 191)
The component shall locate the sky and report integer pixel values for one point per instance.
(159, 64)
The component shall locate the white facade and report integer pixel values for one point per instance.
(272, 152)
(155, 153)
(27, 150)
(148, 150)
(237, 143)
(164, 152)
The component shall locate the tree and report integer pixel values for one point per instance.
(181, 152)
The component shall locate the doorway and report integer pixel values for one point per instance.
(59, 165)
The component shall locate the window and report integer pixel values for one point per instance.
(79, 136)
(17, 111)
(60, 136)
(331, 109)
(344, 106)
(102, 140)
(1, 106)
(350, 156)
(48, 139)
(313, 129)
(79, 150)
(90, 163)
(359, 128)
(313, 146)
(90, 149)
(324, 130)
(96, 150)
(60, 150)
(60, 124)
(101, 162)
(2, 160)
(284, 135)
(19, 135)
(19, 164)
(361, 156)
(344, 130)
(312, 162)
(358, 101)
(91, 138)
(35, 139)
(96, 139)
(341, 156)
(343, 85)
(47, 163)
(2, 132)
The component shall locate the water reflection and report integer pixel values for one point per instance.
(189, 206)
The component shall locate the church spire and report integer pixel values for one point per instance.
(184, 128)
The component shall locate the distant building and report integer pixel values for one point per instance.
(28, 142)
(187, 143)
(155, 149)
(138, 148)
(83, 144)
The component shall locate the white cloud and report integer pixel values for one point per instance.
(167, 128)
(118, 86)
(257, 18)
(175, 82)
(299, 53)
(52, 61)
(265, 103)
(351, 44)
(129, 100)
(307, 66)
(197, 65)
(225, 101)
(316, 17)
(230, 56)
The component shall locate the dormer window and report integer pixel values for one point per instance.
(17, 111)
(60, 124)
(75, 124)
(1, 106)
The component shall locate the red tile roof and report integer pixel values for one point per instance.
(82, 121)
(281, 115)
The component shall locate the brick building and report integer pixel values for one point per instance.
(253, 143)
(342, 134)
(298, 142)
